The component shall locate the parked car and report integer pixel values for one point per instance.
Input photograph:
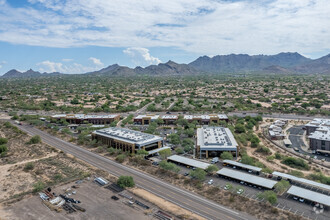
(239, 191)
(295, 198)
(215, 160)
(186, 174)
(210, 182)
(279, 178)
(250, 171)
(227, 187)
(301, 200)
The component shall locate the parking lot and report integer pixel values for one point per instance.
(285, 201)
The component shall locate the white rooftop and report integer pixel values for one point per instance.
(309, 195)
(317, 122)
(169, 117)
(129, 136)
(205, 117)
(232, 162)
(253, 179)
(215, 137)
(302, 180)
(188, 161)
(83, 116)
(321, 133)
(153, 117)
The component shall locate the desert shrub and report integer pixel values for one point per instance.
(320, 178)
(3, 140)
(38, 186)
(263, 150)
(125, 181)
(296, 173)
(34, 140)
(269, 196)
(120, 158)
(169, 166)
(296, 163)
(28, 166)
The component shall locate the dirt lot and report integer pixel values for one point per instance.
(95, 199)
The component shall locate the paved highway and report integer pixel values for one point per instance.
(188, 200)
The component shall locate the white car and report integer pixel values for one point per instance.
(301, 200)
(240, 191)
(210, 182)
(226, 187)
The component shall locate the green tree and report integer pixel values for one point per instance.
(269, 196)
(165, 153)
(239, 128)
(226, 155)
(125, 181)
(169, 166)
(179, 150)
(198, 174)
(142, 152)
(282, 186)
(174, 138)
(211, 169)
(188, 145)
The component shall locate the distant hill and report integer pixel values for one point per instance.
(169, 68)
(30, 73)
(282, 63)
(235, 63)
(321, 65)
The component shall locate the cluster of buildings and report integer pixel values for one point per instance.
(318, 132)
(211, 141)
(171, 119)
(91, 119)
(275, 130)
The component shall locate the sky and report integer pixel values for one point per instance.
(77, 36)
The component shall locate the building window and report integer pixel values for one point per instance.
(323, 142)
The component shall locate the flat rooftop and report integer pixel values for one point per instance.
(302, 180)
(205, 117)
(255, 180)
(188, 161)
(83, 116)
(309, 195)
(153, 117)
(129, 136)
(216, 138)
(249, 167)
(169, 117)
(317, 122)
(321, 133)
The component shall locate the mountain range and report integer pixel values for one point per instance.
(282, 63)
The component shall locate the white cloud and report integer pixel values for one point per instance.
(141, 56)
(96, 61)
(203, 27)
(2, 63)
(50, 66)
(67, 60)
